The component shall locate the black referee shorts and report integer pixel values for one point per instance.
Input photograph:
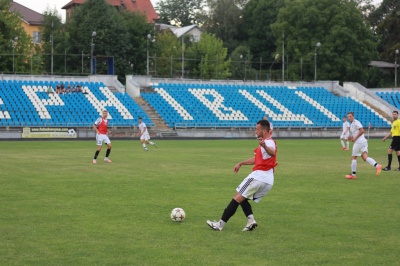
(395, 145)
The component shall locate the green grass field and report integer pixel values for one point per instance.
(57, 208)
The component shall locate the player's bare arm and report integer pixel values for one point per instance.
(95, 129)
(269, 150)
(387, 136)
(247, 162)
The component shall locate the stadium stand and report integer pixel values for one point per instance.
(225, 105)
(392, 98)
(26, 103)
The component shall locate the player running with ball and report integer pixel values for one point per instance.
(257, 184)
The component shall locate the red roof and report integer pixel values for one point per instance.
(143, 6)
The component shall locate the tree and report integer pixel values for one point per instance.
(258, 17)
(241, 63)
(225, 21)
(212, 58)
(16, 45)
(386, 20)
(181, 12)
(122, 35)
(168, 53)
(54, 39)
(347, 42)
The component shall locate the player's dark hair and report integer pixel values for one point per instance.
(396, 112)
(139, 118)
(351, 113)
(264, 124)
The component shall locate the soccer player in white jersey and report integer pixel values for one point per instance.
(345, 134)
(101, 128)
(144, 135)
(257, 184)
(360, 147)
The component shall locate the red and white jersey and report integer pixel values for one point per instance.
(102, 125)
(265, 162)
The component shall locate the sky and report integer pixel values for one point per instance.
(42, 5)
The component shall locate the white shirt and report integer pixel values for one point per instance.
(355, 129)
(143, 128)
(345, 126)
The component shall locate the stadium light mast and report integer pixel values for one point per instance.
(270, 69)
(14, 44)
(91, 53)
(395, 68)
(317, 45)
(52, 47)
(245, 66)
(183, 58)
(283, 57)
(147, 62)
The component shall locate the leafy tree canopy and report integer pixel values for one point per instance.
(212, 56)
(181, 12)
(347, 42)
(15, 44)
(225, 21)
(121, 35)
(259, 15)
(386, 20)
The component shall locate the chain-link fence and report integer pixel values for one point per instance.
(161, 67)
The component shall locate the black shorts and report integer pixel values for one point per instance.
(395, 145)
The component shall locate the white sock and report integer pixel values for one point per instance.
(341, 141)
(151, 143)
(353, 166)
(347, 144)
(144, 146)
(371, 161)
(250, 219)
(221, 224)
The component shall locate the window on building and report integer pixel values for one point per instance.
(37, 37)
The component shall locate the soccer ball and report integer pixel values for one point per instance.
(71, 132)
(178, 215)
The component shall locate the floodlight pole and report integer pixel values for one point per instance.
(52, 48)
(317, 45)
(147, 62)
(395, 68)
(14, 44)
(183, 58)
(270, 69)
(91, 53)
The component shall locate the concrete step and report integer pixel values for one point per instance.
(152, 114)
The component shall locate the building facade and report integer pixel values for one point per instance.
(142, 6)
(31, 21)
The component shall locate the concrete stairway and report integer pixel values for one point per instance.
(160, 126)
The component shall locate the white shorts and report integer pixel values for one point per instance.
(253, 189)
(100, 138)
(344, 136)
(145, 136)
(359, 149)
